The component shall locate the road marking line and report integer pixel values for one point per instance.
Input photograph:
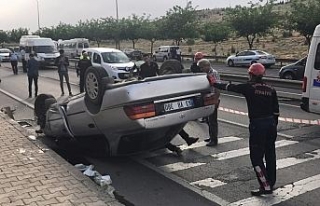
(222, 140)
(209, 182)
(180, 166)
(245, 151)
(290, 161)
(203, 143)
(284, 193)
(281, 164)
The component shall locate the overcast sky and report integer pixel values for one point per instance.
(23, 13)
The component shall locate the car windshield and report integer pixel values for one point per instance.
(5, 51)
(115, 57)
(44, 49)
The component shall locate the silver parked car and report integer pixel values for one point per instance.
(128, 117)
(248, 57)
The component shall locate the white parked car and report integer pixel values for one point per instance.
(248, 57)
(164, 53)
(5, 54)
(115, 62)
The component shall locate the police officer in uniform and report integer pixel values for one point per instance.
(263, 109)
(83, 64)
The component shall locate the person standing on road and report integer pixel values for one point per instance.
(194, 67)
(62, 62)
(33, 74)
(23, 60)
(83, 64)
(263, 112)
(148, 68)
(14, 63)
(212, 120)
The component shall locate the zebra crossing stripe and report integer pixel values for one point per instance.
(201, 144)
(245, 151)
(284, 193)
(222, 140)
(209, 182)
(287, 162)
(180, 166)
(281, 164)
(174, 167)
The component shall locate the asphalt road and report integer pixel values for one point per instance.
(202, 176)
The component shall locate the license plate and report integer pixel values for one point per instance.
(171, 106)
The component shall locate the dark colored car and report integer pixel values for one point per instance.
(133, 53)
(293, 71)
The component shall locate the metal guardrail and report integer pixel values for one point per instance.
(281, 83)
(279, 61)
(275, 82)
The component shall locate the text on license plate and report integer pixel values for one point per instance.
(171, 106)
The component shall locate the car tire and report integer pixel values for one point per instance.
(288, 75)
(171, 66)
(230, 63)
(95, 84)
(41, 105)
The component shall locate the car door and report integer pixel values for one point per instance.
(96, 59)
(239, 58)
(248, 58)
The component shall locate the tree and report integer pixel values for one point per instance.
(15, 34)
(3, 36)
(133, 26)
(304, 17)
(181, 23)
(253, 21)
(215, 32)
(151, 31)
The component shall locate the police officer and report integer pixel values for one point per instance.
(263, 109)
(83, 64)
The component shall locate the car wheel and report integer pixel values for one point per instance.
(95, 84)
(171, 66)
(230, 63)
(288, 75)
(41, 106)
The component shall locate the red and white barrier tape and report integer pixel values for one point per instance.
(283, 119)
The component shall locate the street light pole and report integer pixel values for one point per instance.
(117, 10)
(117, 16)
(38, 15)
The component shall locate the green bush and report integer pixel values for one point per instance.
(189, 49)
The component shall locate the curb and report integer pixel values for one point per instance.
(86, 181)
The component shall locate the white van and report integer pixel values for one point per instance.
(74, 47)
(114, 61)
(45, 49)
(311, 81)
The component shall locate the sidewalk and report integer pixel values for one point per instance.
(31, 174)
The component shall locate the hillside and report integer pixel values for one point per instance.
(290, 47)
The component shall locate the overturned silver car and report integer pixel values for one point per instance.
(129, 117)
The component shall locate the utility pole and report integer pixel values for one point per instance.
(38, 16)
(117, 16)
